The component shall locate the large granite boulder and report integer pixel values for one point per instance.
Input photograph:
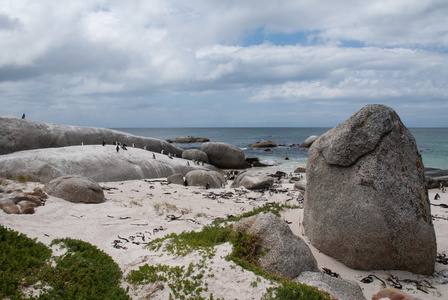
(22, 134)
(195, 154)
(253, 181)
(309, 141)
(212, 179)
(224, 155)
(75, 189)
(96, 162)
(366, 203)
(285, 253)
(335, 286)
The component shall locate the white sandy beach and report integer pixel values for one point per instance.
(138, 210)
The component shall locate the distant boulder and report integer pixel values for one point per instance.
(286, 254)
(75, 189)
(224, 155)
(300, 170)
(366, 203)
(18, 134)
(263, 144)
(309, 141)
(177, 178)
(195, 154)
(252, 181)
(212, 179)
(188, 139)
(436, 177)
(255, 162)
(96, 162)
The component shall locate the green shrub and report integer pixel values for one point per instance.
(290, 290)
(83, 272)
(21, 261)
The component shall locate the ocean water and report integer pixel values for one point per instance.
(431, 142)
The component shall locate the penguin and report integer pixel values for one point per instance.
(118, 148)
(153, 156)
(207, 186)
(104, 143)
(124, 146)
(23, 116)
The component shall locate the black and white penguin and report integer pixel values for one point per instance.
(23, 116)
(118, 148)
(104, 143)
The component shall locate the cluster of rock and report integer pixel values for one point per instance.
(285, 254)
(366, 203)
(19, 202)
(58, 150)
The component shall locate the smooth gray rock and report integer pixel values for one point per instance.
(9, 206)
(252, 181)
(75, 189)
(436, 177)
(309, 141)
(21, 134)
(340, 288)
(300, 184)
(26, 207)
(195, 154)
(366, 203)
(224, 155)
(201, 177)
(287, 255)
(96, 162)
(263, 144)
(187, 140)
(177, 178)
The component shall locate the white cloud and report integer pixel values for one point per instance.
(140, 51)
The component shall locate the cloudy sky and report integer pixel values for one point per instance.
(201, 63)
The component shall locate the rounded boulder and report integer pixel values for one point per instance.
(76, 189)
(224, 155)
(214, 179)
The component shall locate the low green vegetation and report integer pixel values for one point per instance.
(29, 271)
(21, 262)
(82, 272)
(246, 250)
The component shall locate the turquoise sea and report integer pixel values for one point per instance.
(432, 142)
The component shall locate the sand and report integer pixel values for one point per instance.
(138, 210)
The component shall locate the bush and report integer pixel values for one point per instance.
(21, 261)
(83, 272)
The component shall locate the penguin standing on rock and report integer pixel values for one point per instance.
(23, 116)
